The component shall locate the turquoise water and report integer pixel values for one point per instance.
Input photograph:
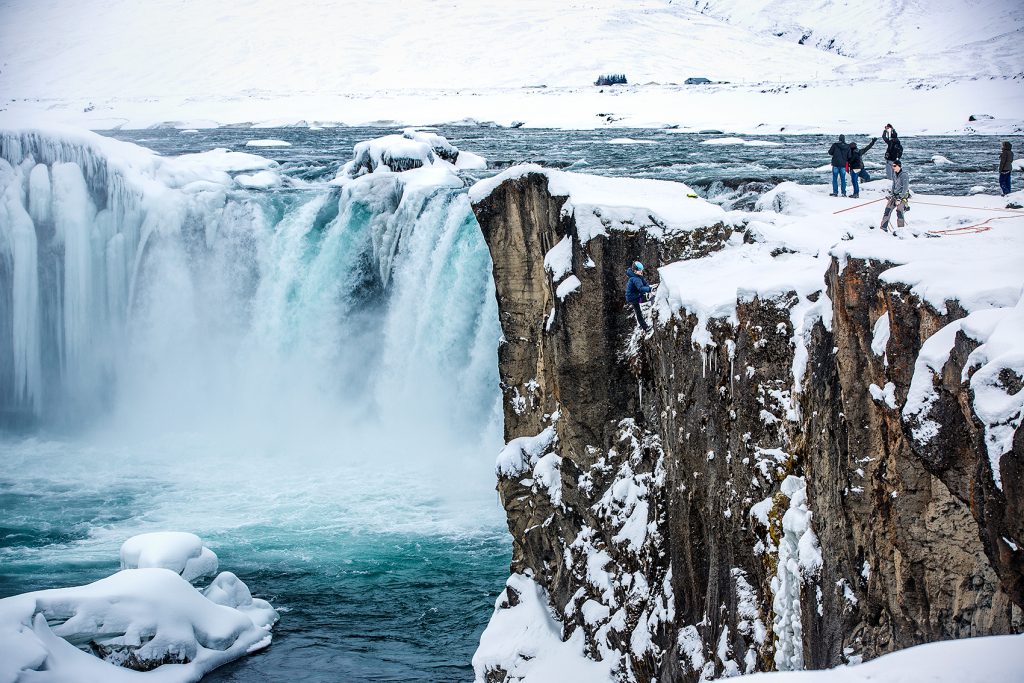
(379, 573)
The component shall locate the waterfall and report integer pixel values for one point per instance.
(152, 296)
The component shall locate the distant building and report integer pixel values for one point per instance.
(697, 80)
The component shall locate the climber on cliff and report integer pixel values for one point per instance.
(637, 289)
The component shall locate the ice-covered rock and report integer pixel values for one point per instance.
(262, 180)
(141, 619)
(411, 150)
(183, 553)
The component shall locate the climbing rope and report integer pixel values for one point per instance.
(851, 208)
(1018, 212)
(972, 229)
(961, 230)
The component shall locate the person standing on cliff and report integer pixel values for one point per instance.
(898, 196)
(1005, 167)
(637, 289)
(840, 153)
(857, 165)
(893, 148)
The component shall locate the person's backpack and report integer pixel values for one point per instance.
(897, 150)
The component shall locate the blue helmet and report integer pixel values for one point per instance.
(638, 267)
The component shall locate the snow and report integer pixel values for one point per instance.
(263, 180)
(600, 204)
(224, 160)
(525, 641)
(880, 336)
(522, 453)
(558, 259)
(547, 474)
(940, 160)
(423, 158)
(1000, 353)
(967, 660)
(886, 394)
(629, 141)
(226, 64)
(799, 561)
(567, 286)
(268, 143)
(740, 141)
(150, 615)
(181, 552)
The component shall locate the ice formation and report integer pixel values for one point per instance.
(121, 261)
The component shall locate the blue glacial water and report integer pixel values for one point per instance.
(331, 437)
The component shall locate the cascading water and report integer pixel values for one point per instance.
(305, 377)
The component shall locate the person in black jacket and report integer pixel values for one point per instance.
(893, 148)
(857, 164)
(840, 152)
(1005, 166)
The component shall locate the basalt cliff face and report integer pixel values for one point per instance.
(696, 511)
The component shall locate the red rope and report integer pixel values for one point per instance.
(851, 208)
(971, 208)
(971, 229)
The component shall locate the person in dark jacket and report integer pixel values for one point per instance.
(1005, 167)
(893, 148)
(637, 289)
(898, 196)
(840, 152)
(857, 164)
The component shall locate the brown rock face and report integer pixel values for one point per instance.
(695, 486)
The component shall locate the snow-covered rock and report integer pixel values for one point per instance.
(411, 150)
(183, 553)
(524, 640)
(261, 180)
(144, 619)
(599, 204)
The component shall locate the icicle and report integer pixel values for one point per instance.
(73, 216)
(40, 197)
(25, 293)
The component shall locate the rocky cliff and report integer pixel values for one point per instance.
(738, 492)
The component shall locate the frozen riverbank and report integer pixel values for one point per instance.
(933, 107)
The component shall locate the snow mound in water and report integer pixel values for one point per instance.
(268, 143)
(141, 619)
(410, 150)
(741, 141)
(181, 552)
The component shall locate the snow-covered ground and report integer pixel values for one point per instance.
(103, 65)
(525, 640)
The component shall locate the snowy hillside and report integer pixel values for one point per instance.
(921, 38)
(116, 63)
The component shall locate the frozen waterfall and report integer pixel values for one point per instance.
(157, 294)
